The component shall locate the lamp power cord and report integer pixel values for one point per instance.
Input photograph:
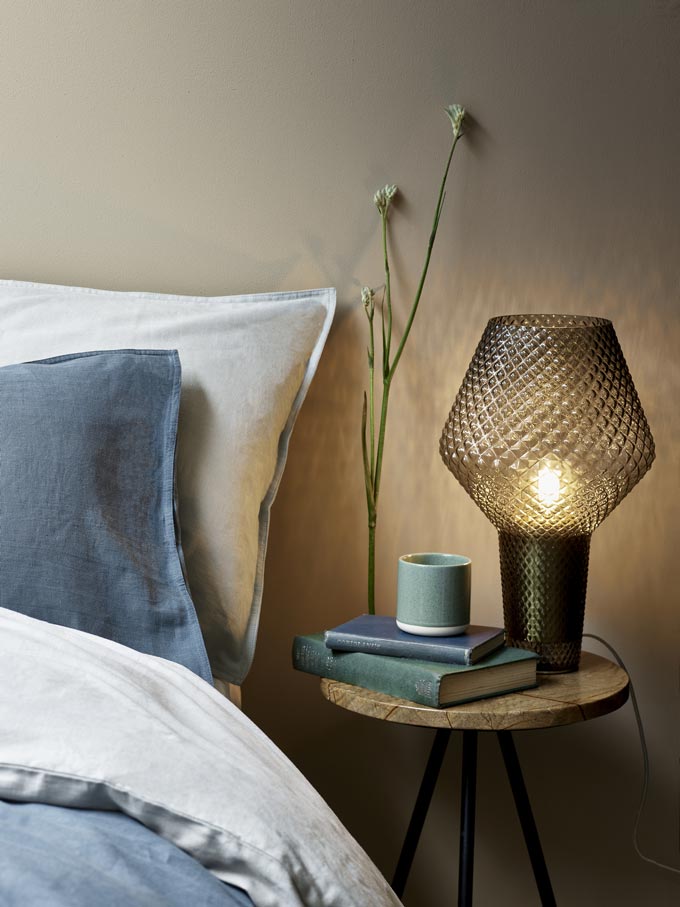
(645, 758)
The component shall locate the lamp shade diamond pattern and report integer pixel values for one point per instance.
(547, 433)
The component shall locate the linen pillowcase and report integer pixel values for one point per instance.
(247, 362)
(87, 450)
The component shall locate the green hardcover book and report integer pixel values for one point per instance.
(506, 670)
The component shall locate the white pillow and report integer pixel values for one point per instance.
(247, 362)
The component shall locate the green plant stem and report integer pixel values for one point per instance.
(371, 399)
(376, 464)
(373, 468)
(387, 340)
(430, 245)
(381, 437)
(371, 566)
(373, 505)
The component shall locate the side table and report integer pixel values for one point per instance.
(599, 687)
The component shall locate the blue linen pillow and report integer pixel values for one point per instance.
(87, 532)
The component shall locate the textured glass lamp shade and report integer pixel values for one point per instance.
(547, 435)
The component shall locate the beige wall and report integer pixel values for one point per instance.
(214, 147)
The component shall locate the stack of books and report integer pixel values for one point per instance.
(372, 652)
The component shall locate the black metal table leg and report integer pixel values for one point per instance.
(467, 819)
(526, 818)
(422, 804)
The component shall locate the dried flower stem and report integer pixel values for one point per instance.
(372, 454)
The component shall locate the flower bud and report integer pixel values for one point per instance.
(456, 114)
(368, 299)
(383, 197)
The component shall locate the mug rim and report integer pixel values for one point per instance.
(457, 560)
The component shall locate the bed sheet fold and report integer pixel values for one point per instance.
(88, 723)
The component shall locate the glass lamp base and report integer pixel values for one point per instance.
(544, 594)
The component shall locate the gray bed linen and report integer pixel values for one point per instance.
(63, 857)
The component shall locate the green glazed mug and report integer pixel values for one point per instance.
(433, 594)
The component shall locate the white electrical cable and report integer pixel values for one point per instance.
(645, 758)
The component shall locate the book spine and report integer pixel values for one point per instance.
(396, 648)
(395, 676)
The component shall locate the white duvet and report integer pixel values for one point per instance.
(86, 722)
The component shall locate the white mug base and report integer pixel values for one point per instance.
(431, 631)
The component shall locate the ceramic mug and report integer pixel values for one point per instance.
(433, 594)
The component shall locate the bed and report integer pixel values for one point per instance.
(142, 441)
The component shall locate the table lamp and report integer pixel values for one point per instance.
(547, 435)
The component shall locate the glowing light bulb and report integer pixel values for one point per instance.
(548, 486)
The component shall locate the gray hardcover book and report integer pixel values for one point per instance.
(381, 635)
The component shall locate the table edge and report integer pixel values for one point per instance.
(557, 711)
